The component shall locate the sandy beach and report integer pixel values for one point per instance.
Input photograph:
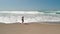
(31, 28)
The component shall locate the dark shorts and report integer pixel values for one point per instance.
(22, 20)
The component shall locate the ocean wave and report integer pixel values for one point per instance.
(29, 16)
(21, 12)
(32, 12)
(51, 12)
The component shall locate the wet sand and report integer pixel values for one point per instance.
(31, 28)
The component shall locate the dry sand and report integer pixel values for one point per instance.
(32, 28)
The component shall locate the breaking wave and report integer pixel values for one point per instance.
(29, 16)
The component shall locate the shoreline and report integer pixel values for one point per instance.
(48, 23)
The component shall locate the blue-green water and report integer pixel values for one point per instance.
(50, 12)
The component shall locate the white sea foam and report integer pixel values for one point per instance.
(21, 12)
(29, 16)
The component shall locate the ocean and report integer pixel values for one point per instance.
(29, 16)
